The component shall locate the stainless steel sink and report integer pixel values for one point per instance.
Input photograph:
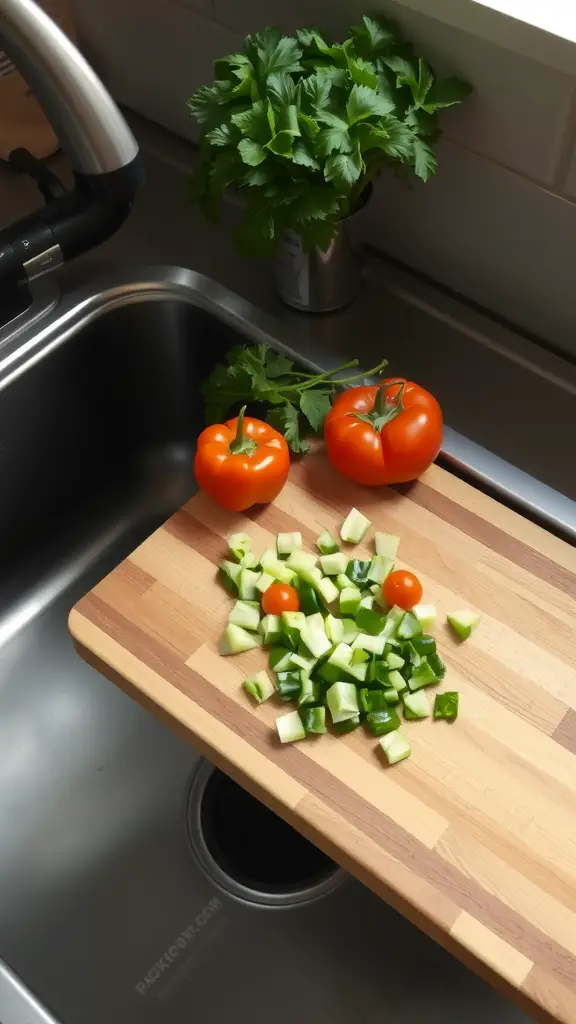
(105, 913)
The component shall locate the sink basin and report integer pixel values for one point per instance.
(106, 913)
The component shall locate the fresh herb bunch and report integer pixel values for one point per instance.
(299, 127)
(299, 401)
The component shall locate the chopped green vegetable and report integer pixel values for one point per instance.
(286, 543)
(396, 680)
(386, 545)
(394, 660)
(307, 596)
(372, 700)
(263, 582)
(290, 728)
(292, 625)
(351, 631)
(426, 615)
(341, 658)
(342, 581)
(250, 561)
(359, 655)
(424, 644)
(301, 561)
(354, 527)
(326, 544)
(279, 659)
(334, 629)
(393, 620)
(230, 576)
(333, 565)
(357, 570)
(395, 746)
(314, 720)
(271, 629)
(240, 544)
(245, 615)
(367, 602)
(289, 685)
(423, 675)
(350, 599)
(381, 722)
(310, 692)
(247, 584)
(374, 644)
(306, 662)
(416, 705)
(348, 725)
(464, 622)
(272, 565)
(370, 622)
(392, 696)
(315, 639)
(236, 640)
(446, 705)
(328, 591)
(342, 701)
(260, 687)
(409, 627)
(380, 568)
(437, 665)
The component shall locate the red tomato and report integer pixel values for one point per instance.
(402, 588)
(385, 434)
(280, 597)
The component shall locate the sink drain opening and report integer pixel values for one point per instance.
(248, 850)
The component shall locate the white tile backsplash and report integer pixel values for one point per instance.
(489, 234)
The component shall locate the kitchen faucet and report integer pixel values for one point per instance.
(99, 145)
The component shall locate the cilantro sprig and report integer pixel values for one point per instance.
(299, 127)
(296, 402)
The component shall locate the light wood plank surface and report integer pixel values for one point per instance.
(474, 837)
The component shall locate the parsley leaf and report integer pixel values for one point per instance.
(285, 419)
(424, 159)
(364, 102)
(315, 406)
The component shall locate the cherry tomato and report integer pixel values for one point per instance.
(280, 597)
(402, 588)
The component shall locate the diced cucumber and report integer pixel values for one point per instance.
(309, 691)
(374, 644)
(303, 661)
(409, 627)
(383, 721)
(395, 746)
(367, 602)
(260, 687)
(264, 581)
(328, 591)
(301, 561)
(236, 640)
(392, 696)
(326, 543)
(230, 575)
(333, 565)
(446, 705)
(334, 629)
(464, 622)
(372, 700)
(290, 728)
(342, 581)
(286, 543)
(394, 660)
(393, 620)
(369, 621)
(396, 680)
(350, 599)
(423, 675)
(307, 596)
(328, 673)
(247, 586)
(359, 656)
(437, 665)
(342, 701)
(354, 527)
(348, 725)
(314, 720)
(380, 568)
(386, 545)
(250, 561)
(351, 630)
(316, 640)
(357, 571)
(316, 621)
(379, 599)
(272, 565)
(289, 685)
(411, 654)
(341, 657)
(292, 626)
(416, 705)
(240, 544)
(426, 615)
(245, 615)
(279, 659)
(424, 644)
(271, 629)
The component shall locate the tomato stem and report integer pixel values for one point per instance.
(384, 409)
(242, 444)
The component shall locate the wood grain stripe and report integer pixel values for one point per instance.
(529, 941)
(565, 732)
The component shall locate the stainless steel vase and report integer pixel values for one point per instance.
(316, 281)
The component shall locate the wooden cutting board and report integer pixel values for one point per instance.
(474, 837)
